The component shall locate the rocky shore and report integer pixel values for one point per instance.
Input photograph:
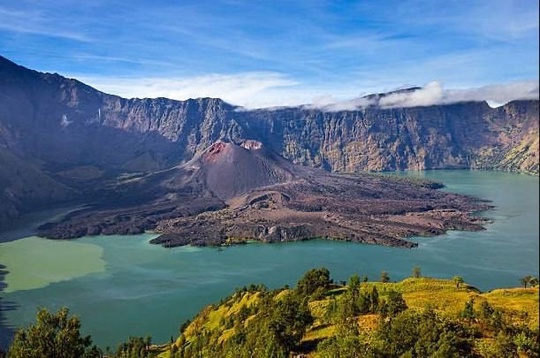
(237, 192)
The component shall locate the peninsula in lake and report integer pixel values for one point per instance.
(203, 172)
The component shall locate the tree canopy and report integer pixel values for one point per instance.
(53, 335)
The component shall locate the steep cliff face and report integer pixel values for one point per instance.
(515, 144)
(76, 135)
(25, 188)
(378, 139)
(63, 121)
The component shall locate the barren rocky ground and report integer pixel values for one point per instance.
(232, 193)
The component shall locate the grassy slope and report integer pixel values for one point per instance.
(521, 304)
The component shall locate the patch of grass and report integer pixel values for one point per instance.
(439, 294)
(319, 333)
(318, 308)
(520, 303)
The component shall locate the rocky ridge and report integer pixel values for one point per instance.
(85, 141)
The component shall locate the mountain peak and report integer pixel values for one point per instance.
(229, 169)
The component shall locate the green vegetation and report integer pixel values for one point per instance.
(417, 272)
(417, 317)
(53, 335)
(528, 280)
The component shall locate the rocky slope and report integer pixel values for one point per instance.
(25, 188)
(83, 138)
(231, 193)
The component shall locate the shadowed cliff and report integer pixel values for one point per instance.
(78, 140)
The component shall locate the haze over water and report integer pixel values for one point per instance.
(122, 286)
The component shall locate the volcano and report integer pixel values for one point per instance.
(226, 170)
(233, 192)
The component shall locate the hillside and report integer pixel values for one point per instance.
(77, 136)
(416, 317)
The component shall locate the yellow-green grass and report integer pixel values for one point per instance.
(211, 319)
(228, 333)
(320, 332)
(516, 301)
(318, 309)
(442, 295)
(368, 322)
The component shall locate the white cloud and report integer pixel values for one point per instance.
(252, 89)
(429, 94)
(433, 93)
(35, 23)
(501, 93)
(270, 89)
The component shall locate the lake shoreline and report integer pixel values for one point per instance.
(183, 280)
(27, 224)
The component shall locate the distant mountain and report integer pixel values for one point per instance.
(77, 140)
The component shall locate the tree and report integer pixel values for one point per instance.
(415, 334)
(458, 280)
(313, 280)
(289, 320)
(394, 304)
(525, 280)
(364, 302)
(468, 311)
(373, 299)
(486, 310)
(354, 283)
(385, 277)
(417, 272)
(54, 335)
(135, 347)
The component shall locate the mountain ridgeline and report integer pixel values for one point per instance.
(63, 139)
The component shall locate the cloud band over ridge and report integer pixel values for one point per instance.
(263, 90)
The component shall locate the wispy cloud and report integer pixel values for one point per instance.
(253, 89)
(496, 94)
(277, 52)
(264, 89)
(36, 23)
(433, 93)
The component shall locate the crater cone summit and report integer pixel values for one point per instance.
(226, 170)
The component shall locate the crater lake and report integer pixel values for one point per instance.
(122, 286)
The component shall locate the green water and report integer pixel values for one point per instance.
(122, 286)
(34, 263)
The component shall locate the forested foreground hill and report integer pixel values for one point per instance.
(417, 317)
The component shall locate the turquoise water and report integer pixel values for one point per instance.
(146, 289)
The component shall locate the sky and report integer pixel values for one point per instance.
(281, 53)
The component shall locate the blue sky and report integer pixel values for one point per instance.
(270, 53)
